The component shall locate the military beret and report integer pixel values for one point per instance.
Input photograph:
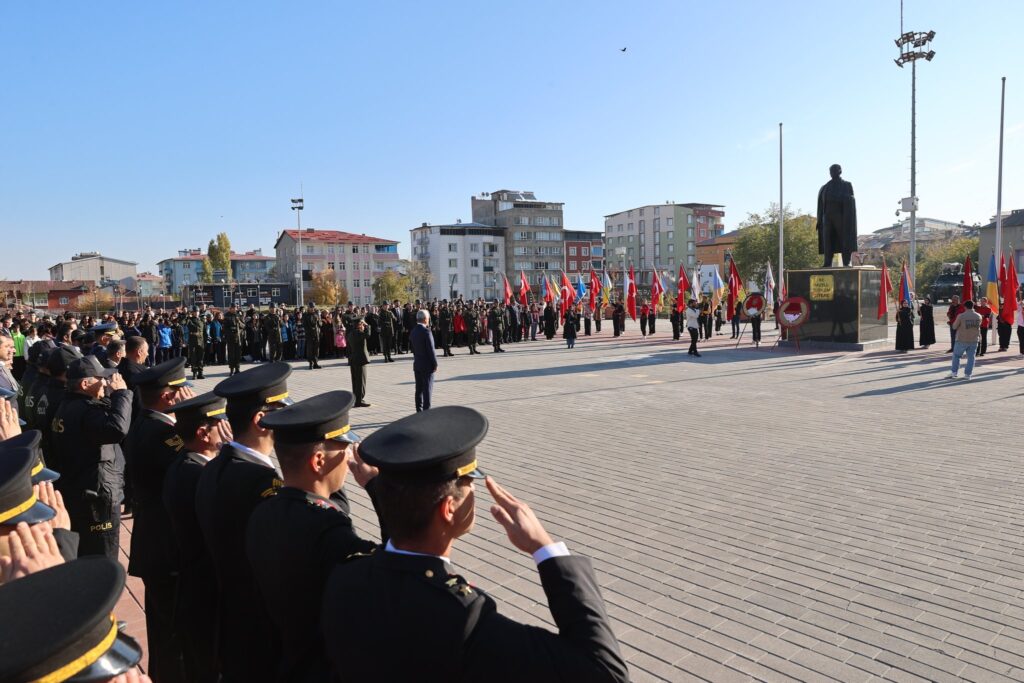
(315, 419)
(208, 405)
(18, 502)
(267, 383)
(59, 624)
(170, 373)
(31, 439)
(58, 360)
(432, 445)
(103, 328)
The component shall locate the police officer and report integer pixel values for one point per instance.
(152, 445)
(230, 487)
(386, 322)
(496, 323)
(57, 361)
(446, 325)
(472, 320)
(311, 326)
(446, 629)
(87, 430)
(37, 355)
(196, 343)
(272, 333)
(396, 313)
(373, 330)
(201, 424)
(316, 448)
(233, 329)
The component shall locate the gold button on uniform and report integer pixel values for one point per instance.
(430, 574)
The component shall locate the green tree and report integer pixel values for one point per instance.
(207, 270)
(392, 285)
(326, 290)
(420, 279)
(219, 252)
(929, 265)
(758, 243)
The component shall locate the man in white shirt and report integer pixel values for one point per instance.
(693, 326)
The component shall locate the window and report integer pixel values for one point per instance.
(689, 219)
(366, 248)
(657, 211)
(657, 238)
(690, 260)
(641, 224)
(453, 263)
(355, 249)
(475, 278)
(689, 247)
(330, 265)
(309, 249)
(657, 224)
(669, 221)
(657, 251)
(629, 214)
(572, 251)
(689, 233)
(341, 265)
(629, 227)
(671, 248)
(250, 293)
(366, 265)
(474, 247)
(275, 291)
(630, 239)
(524, 236)
(629, 253)
(366, 283)
(63, 301)
(455, 279)
(453, 247)
(641, 212)
(474, 263)
(186, 266)
(585, 251)
(572, 265)
(671, 234)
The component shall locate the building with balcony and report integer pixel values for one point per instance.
(356, 259)
(584, 251)
(717, 251)
(463, 259)
(187, 268)
(534, 234)
(93, 267)
(662, 236)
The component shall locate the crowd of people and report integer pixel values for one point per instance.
(242, 534)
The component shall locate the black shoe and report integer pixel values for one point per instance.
(696, 354)
(363, 404)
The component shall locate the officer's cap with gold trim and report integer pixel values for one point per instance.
(58, 624)
(267, 383)
(320, 418)
(18, 502)
(429, 446)
(31, 439)
(170, 373)
(204, 406)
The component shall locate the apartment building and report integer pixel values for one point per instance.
(356, 259)
(464, 259)
(534, 232)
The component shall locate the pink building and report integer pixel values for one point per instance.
(357, 260)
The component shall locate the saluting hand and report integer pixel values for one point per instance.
(33, 548)
(50, 496)
(8, 421)
(117, 382)
(522, 526)
(361, 471)
(184, 394)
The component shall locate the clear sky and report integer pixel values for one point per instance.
(137, 129)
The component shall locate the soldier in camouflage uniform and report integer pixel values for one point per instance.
(196, 343)
(232, 331)
(272, 333)
(311, 326)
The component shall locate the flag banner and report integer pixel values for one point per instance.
(968, 289)
(769, 286)
(606, 290)
(717, 287)
(657, 291)
(681, 288)
(595, 288)
(906, 286)
(630, 287)
(884, 290)
(524, 288)
(735, 289)
(508, 289)
(581, 289)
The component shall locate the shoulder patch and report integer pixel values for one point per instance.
(272, 490)
(175, 442)
(356, 556)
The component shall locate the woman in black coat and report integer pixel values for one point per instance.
(549, 321)
(905, 327)
(927, 324)
(571, 327)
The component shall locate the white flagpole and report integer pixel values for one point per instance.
(781, 277)
(999, 195)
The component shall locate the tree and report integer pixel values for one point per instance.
(94, 301)
(219, 252)
(758, 243)
(326, 290)
(929, 265)
(207, 270)
(420, 279)
(393, 285)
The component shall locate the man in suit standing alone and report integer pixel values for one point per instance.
(424, 360)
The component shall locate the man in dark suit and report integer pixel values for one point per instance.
(424, 360)
(445, 628)
(358, 359)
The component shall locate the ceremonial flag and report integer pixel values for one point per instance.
(716, 290)
(606, 289)
(769, 287)
(905, 284)
(631, 294)
(884, 290)
(681, 287)
(695, 289)
(524, 288)
(508, 289)
(735, 288)
(657, 290)
(548, 293)
(993, 283)
(1008, 312)
(968, 289)
(1012, 286)
(595, 287)
(581, 289)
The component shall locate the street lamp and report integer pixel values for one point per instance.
(297, 206)
(913, 46)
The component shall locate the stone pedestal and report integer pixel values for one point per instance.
(844, 308)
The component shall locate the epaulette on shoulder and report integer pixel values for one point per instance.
(356, 556)
(459, 587)
(272, 491)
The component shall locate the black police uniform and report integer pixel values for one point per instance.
(196, 599)
(445, 628)
(86, 439)
(230, 487)
(57, 361)
(387, 333)
(152, 445)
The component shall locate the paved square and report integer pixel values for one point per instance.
(752, 514)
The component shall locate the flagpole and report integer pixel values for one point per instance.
(781, 213)
(999, 182)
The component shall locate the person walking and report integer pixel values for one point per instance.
(926, 324)
(754, 316)
(905, 327)
(570, 328)
(424, 359)
(692, 326)
(644, 310)
(967, 328)
(736, 320)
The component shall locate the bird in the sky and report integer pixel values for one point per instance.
(622, 50)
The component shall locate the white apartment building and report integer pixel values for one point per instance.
(463, 258)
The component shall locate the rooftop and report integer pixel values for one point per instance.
(235, 256)
(724, 238)
(89, 255)
(688, 205)
(332, 236)
(1015, 219)
(43, 285)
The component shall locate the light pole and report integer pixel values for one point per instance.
(297, 206)
(913, 46)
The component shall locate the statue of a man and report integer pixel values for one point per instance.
(837, 218)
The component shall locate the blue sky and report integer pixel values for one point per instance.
(138, 129)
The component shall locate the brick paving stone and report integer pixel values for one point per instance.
(753, 514)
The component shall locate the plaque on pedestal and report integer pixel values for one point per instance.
(844, 307)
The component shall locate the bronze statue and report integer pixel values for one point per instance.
(837, 218)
